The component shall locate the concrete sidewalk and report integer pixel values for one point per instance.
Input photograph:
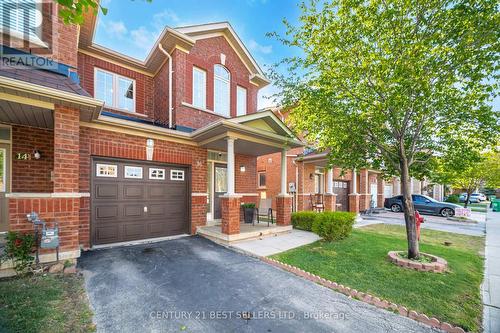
(491, 285)
(271, 245)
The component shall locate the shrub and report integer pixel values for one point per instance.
(18, 248)
(248, 205)
(333, 225)
(453, 198)
(303, 220)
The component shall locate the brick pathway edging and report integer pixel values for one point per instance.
(367, 298)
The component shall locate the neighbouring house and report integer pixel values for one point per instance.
(116, 149)
(308, 174)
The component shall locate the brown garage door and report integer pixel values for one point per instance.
(341, 188)
(133, 200)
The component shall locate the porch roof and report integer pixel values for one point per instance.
(29, 98)
(256, 134)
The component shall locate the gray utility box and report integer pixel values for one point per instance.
(50, 238)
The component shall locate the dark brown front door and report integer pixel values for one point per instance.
(133, 200)
(220, 187)
(341, 188)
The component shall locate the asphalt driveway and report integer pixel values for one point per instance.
(193, 285)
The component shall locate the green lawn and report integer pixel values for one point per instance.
(360, 262)
(477, 207)
(51, 303)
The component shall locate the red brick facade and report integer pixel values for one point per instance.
(32, 175)
(283, 209)
(62, 39)
(152, 92)
(58, 185)
(144, 84)
(231, 214)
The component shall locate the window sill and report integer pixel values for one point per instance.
(204, 110)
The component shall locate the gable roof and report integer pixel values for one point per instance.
(266, 121)
(202, 31)
(182, 38)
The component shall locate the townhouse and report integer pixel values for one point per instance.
(308, 174)
(116, 149)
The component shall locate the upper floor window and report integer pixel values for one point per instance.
(115, 90)
(241, 101)
(199, 88)
(22, 19)
(222, 80)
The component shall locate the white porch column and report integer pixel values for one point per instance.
(329, 181)
(283, 172)
(354, 182)
(230, 166)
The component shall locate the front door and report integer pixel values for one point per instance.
(341, 189)
(220, 187)
(4, 185)
(374, 193)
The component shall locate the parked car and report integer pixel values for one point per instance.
(424, 204)
(474, 197)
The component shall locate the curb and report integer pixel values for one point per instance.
(367, 298)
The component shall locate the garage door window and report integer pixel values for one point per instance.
(106, 170)
(133, 172)
(156, 174)
(176, 175)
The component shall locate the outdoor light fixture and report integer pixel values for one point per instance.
(242, 168)
(37, 154)
(311, 176)
(150, 144)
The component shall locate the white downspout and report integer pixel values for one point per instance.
(170, 124)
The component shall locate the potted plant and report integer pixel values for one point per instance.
(248, 212)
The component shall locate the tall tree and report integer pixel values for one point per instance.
(392, 82)
(471, 172)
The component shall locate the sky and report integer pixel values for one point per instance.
(131, 27)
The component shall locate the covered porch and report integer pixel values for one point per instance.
(39, 134)
(341, 190)
(239, 139)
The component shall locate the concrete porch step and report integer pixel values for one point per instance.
(247, 232)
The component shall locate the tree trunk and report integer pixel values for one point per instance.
(467, 198)
(409, 211)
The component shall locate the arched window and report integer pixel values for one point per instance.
(222, 84)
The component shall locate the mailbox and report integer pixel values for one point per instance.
(50, 238)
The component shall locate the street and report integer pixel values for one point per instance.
(431, 222)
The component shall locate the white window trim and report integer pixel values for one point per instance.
(157, 178)
(115, 89)
(238, 89)
(98, 165)
(178, 172)
(33, 39)
(204, 92)
(258, 179)
(133, 177)
(228, 81)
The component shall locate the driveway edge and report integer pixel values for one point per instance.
(366, 298)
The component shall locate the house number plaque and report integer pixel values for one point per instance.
(23, 156)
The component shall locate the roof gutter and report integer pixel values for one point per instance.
(27, 87)
(170, 124)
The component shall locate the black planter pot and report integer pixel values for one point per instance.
(248, 214)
